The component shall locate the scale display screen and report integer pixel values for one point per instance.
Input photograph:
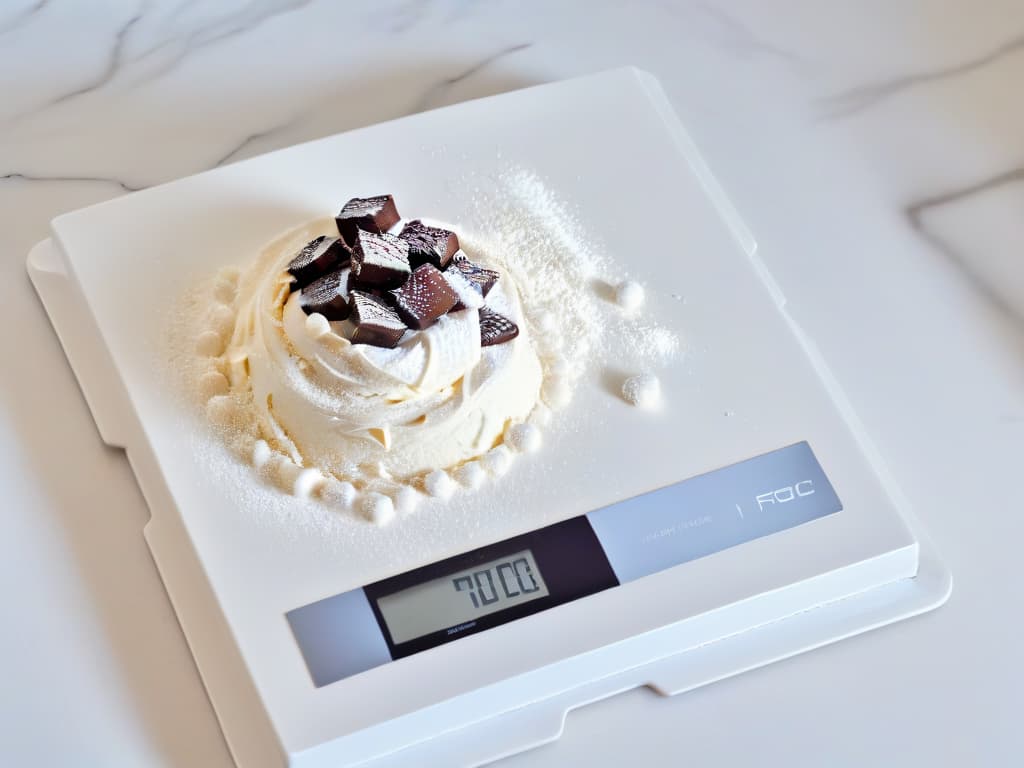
(441, 602)
(455, 601)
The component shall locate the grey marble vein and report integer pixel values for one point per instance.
(179, 9)
(253, 138)
(409, 14)
(22, 17)
(252, 15)
(114, 62)
(860, 98)
(915, 213)
(743, 38)
(91, 179)
(460, 9)
(247, 19)
(434, 93)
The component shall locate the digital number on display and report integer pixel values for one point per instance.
(462, 597)
(507, 580)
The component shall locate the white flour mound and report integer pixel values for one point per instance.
(519, 226)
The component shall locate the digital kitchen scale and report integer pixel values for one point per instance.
(747, 521)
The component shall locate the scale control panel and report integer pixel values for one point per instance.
(354, 631)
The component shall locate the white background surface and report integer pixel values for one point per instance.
(875, 150)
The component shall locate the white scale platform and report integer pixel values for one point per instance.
(789, 537)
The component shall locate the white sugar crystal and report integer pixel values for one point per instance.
(471, 474)
(261, 454)
(497, 461)
(226, 287)
(557, 392)
(317, 325)
(213, 383)
(222, 410)
(222, 321)
(285, 472)
(274, 466)
(558, 367)
(209, 343)
(282, 472)
(241, 443)
(524, 438)
(406, 499)
(377, 508)
(307, 482)
(642, 390)
(339, 495)
(629, 295)
(655, 343)
(229, 275)
(540, 416)
(439, 484)
(548, 323)
(554, 343)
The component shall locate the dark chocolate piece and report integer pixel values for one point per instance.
(321, 255)
(376, 323)
(495, 328)
(380, 261)
(328, 295)
(425, 296)
(429, 245)
(370, 214)
(462, 272)
(355, 285)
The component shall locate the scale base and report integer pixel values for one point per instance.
(544, 722)
(519, 730)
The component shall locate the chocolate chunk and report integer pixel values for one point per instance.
(328, 295)
(321, 255)
(380, 261)
(376, 323)
(425, 296)
(470, 281)
(370, 214)
(429, 245)
(495, 328)
(355, 285)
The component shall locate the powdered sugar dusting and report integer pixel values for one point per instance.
(656, 343)
(557, 260)
(540, 242)
(521, 227)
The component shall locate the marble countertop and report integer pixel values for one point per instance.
(876, 150)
